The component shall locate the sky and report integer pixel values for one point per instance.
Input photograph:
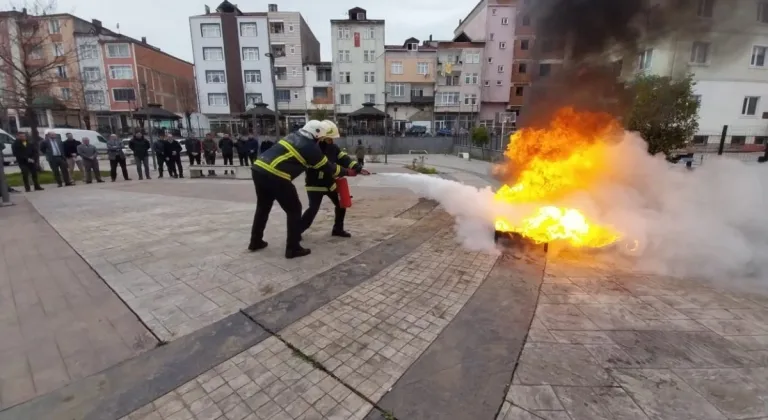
(165, 23)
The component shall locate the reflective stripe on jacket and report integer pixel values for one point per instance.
(316, 181)
(294, 154)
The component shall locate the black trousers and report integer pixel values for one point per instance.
(160, 165)
(315, 199)
(193, 159)
(29, 170)
(119, 160)
(269, 189)
(210, 159)
(175, 167)
(228, 158)
(60, 170)
(243, 158)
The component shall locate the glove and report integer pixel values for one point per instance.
(364, 172)
(351, 172)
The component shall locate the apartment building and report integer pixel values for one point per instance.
(459, 85)
(492, 22)
(358, 61)
(232, 69)
(318, 95)
(411, 70)
(292, 44)
(103, 76)
(726, 52)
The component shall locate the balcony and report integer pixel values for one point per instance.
(276, 28)
(422, 100)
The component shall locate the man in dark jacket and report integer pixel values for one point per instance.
(172, 154)
(209, 151)
(242, 150)
(273, 173)
(140, 147)
(252, 148)
(26, 155)
(53, 149)
(70, 151)
(194, 148)
(159, 149)
(265, 145)
(227, 147)
(318, 186)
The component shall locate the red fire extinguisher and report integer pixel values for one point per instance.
(342, 187)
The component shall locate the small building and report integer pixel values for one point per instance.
(411, 70)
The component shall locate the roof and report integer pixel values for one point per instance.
(398, 48)
(213, 14)
(363, 22)
(452, 44)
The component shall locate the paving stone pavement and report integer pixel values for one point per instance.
(179, 262)
(58, 320)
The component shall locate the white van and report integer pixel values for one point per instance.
(97, 139)
(7, 140)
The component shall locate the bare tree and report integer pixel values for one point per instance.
(33, 60)
(187, 95)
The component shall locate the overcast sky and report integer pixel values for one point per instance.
(165, 23)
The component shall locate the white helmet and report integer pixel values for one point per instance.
(314, 128)
(331, 130)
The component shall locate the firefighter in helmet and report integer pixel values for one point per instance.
(319, 185)
(273, 173)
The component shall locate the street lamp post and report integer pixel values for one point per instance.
(386, 142)
(274, 94)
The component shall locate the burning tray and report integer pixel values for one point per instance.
(513, 240)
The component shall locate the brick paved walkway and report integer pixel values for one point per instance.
(58, 320)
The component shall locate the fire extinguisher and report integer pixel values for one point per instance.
(342, 188)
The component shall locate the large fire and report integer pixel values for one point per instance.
(546, 165)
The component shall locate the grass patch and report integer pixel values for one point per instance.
(425, 170)
(46, 177)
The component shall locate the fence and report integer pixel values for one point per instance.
(747, 144)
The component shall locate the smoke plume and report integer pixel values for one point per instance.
(707, 223)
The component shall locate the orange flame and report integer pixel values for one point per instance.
(549, 163)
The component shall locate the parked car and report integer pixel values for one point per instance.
(416, 131)
(7, 140)
(97, 139)
(444, 132)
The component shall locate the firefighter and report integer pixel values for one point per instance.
(319, 185)
(273, 173)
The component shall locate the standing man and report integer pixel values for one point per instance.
(26, 155)
(265, 145)
(116, 157)
(252, 149)
(140, 147)
(159, 149)
(318, 185)
(273, 173)
(360, 153)
(173, 157)
(53, 149)
(90, 157)
(194, 147)
(209, 151)
(241, 146)
(70, 150)
(227, 147)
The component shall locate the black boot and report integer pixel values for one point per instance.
(341, 233)
(297, 252)
(255, 246)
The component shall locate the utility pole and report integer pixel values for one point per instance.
(274, 94)
(386, 143)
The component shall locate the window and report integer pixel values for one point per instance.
(61, 71)
(749, 106)
(491, 36)
(697, 98)
(369, 77)
(210, 30)
(121, 72)
(58, 49)
(705, 8)
(345, 99)
(250, 53)
(324, 75)
(53, 26)
(319, 92)
(519, 91)
(397, 90)
(396, 67)
(343, 33)
(290, 28)
(215, 76)
(470, 99)
(283, 95)
(545, 69)
(758, 56)
(278, 50)
(487, 83)
(500, 69)
(253, 99)
(281, 73)
(124, 94)
(413, 46)
(644, 60)
(502, 45)
(526, 21)
(472, 58)
(344, 56)
(524, 44)
(292, 49)
(738, 139)
(700, 139)
(447, 98)
(505, 21)
(66, 94)
(370, 98)
(452, 80)
(91, 74)
(471, 78)
(344, 77)
(89, 51)
(119, 50)
(360, 16)
(422, 67)
(369, 33)
(762, 12)
(249, 29)
(490, 60)
(276, 27)
(522, 68)
(252, 76)
(36, 53)
(218, 99)
(94, 97)
(213, 54)
(493, 12)
(498, 83)
(295, 71)
(760, 139)
(700, 53)
(417, 93)
(369, 56)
